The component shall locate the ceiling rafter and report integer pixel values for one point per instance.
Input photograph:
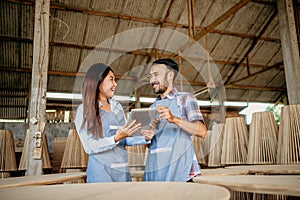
(253, 44)
(62, 73)
(251, 87)
(154, 49)
(191, 83)
(277, 65)
(165, 23)
(235, 87)
(222, 18)
(245, 35)
(215, 23)
(135, 52)
(191, 18)
(267, 3)
(84, 38)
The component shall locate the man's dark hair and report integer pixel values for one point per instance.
(171, 64)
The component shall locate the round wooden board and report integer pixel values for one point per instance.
(41, 180)
(122, 190)
(269, 169)
(280, 184)
(223, 172)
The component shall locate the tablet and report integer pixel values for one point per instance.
(145, 116)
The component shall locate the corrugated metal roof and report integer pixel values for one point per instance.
(247, 34)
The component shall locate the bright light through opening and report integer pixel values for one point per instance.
(248, 111)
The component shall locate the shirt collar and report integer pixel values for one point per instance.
(109, 101)
(170, 95)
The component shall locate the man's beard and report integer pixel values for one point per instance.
(162, 87)
(160, 90)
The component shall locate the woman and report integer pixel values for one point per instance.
(100, 123)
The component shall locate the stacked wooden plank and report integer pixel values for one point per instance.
(216, 141)
(206, 145)
(288, 151)
(45, 153)
(198, 144)
(136, 155)
(74, 156)
(74, 159)
(7, 153)
(263, 133)
(235, 141)
(59, 144)
(136, 160)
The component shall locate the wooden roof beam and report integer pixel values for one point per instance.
(192, 83)
(154, 49)
(252, 87)
(191, 18)
(152, 21)
(253, 44)
(290, 48)
(218, 21)
(267, 3)
(278, 65)
(222, 18)
(244, 35)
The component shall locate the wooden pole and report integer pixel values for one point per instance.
(137, 94)
(191, 17)
(180, 70)
(37, 112)
(290, 49)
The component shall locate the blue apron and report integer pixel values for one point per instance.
(171, 151)
(111, 165)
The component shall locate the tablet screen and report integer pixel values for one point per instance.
(145, 116)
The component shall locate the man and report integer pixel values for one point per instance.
(171, 153)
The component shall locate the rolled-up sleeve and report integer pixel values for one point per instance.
(192, 109)
(89, 143)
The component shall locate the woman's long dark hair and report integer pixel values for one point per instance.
(90, 95)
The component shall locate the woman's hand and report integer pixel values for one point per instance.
(150, 133)
(127, 130)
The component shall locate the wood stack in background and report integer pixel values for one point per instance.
(263, 133)
(288, 151)
(59, 144)
(198, 144)
(74, 156)
(7, 153)
(216, 141)
(206, 145)
(46, 164)
(136, 159)
(74, 159)
(235, 141)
